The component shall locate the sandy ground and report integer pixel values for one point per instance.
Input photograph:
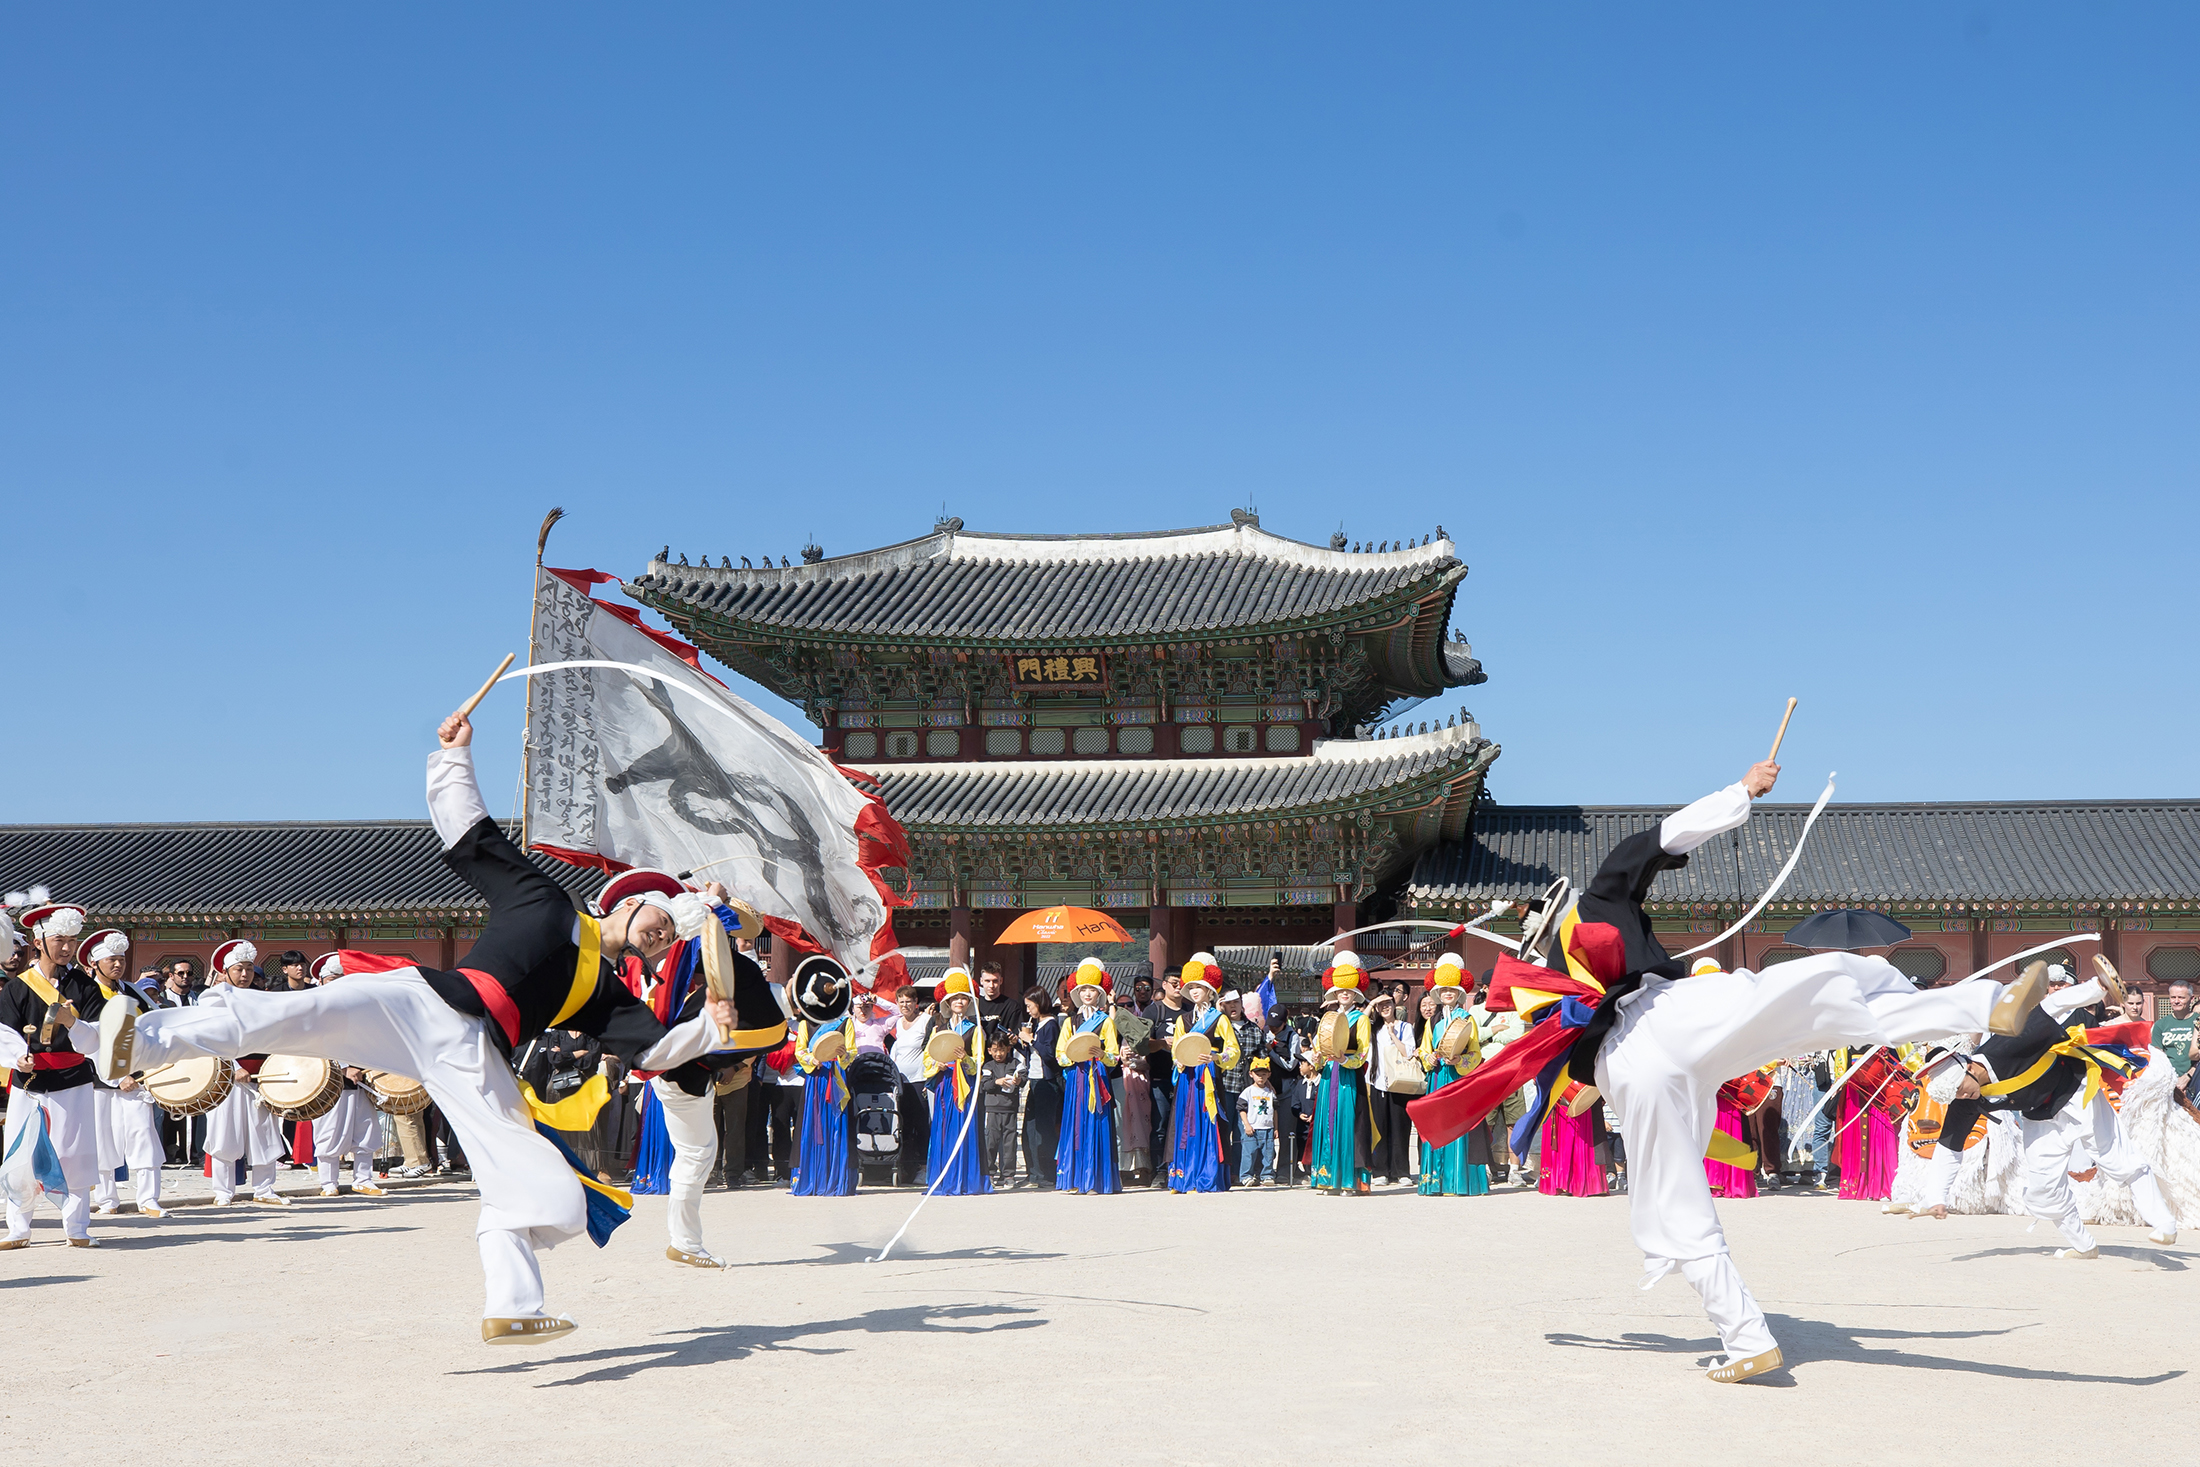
(1034, 1328)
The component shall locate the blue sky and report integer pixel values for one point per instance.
(1844, 351)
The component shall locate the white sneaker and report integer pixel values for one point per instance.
(329, 1191)
(2094, 1252)
(2164, 1236)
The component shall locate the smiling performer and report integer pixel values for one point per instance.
(539, 964)
(1661, 1044)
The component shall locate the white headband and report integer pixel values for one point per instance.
(688, 910)
(244, 954)
(68, 922)
(113, 945)
(332, 966)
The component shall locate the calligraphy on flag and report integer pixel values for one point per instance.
(623, 772)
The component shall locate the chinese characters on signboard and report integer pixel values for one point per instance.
(1058, 670)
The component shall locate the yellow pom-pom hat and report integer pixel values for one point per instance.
(1203, 970)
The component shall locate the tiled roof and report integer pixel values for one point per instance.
(2109, 850)
(1022, 590)
(297, 869)
(1144, 792)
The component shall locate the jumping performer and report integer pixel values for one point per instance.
(538, 964)
(1612, 1002)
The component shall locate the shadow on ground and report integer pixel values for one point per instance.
(716, 1344)
(1808, 1341)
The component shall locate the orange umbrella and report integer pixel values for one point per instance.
(1064, 924)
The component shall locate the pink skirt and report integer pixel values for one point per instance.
(1867, 1153)
(1570, 1157)
(1730, 1181)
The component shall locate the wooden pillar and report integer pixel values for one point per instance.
(958, 936)
(779, 963)
(1344, 916)
(1979, 929)
(1160, 922)
(2112, 946)
(450, 949)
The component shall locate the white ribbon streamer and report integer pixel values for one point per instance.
(1777, 882)
(977, 1101)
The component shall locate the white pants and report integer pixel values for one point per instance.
(351, 1125)
(128, 1133)
(692, 1128)
(1675, 1043)
(2052, 1147)
(394, 1021)
(70, 1126)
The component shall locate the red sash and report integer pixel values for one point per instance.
(496, 1001)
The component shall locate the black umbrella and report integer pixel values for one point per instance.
(1848, 929)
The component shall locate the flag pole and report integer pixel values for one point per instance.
(527, 724)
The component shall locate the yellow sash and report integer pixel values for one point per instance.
(587, 970)
(36, 982)
(2074, 1047)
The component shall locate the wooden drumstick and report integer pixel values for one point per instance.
(466, 709)
(1769, 758)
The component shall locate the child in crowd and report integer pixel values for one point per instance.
(999, 1078)
(1257, 1129)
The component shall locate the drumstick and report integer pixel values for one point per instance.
(474, 702)
(1783, 733)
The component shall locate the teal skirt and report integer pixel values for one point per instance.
(1446, 1171)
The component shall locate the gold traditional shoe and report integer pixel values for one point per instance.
(8, 1243)
(2017, 1000)
(83, 1242)
(2093, 1252)
(151, 1209)
(2111, 985)
(1737, 1370)
(694, 1260)
(2164, 1236)
(369, 1190)
(1896, 1209)
(272, 1199)
(329, 1192)
(527, 1330)
(117, 1038)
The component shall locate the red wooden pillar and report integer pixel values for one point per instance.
(958, 937)
(1160, 920)
(1344, 916)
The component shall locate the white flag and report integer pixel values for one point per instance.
(667, 768)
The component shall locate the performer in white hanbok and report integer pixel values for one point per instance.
(46, 1033)
(539, 964)
(125, 1118)
(1662, 1043)
(351, 1127)
(2049, 1077)
(242, 1128)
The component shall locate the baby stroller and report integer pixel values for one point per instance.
(874, 1091)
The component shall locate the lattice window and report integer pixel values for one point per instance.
(1090, 741)
(1920, 964)
(860, 746)
(1781, 955)
(1000, 741)
(1283, 738)
(943, 743)
(1197, 738)
(1240, 740)
(2174, 964)
(901, 746)
(1048, 741)
(1134, 740)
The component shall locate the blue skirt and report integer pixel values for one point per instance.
(652, 1150)
(1084, 1158)
(956, 1173)
(1196, 1163)
(824, 1157)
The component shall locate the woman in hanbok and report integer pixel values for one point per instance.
(1197, 1162)
(824, 1153)
(1867, 1147)
(1573, 1148)
(1462, 1167)
(955, 1163)
(1726, 1180)
(1343, 1120)
(1084, 1157)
